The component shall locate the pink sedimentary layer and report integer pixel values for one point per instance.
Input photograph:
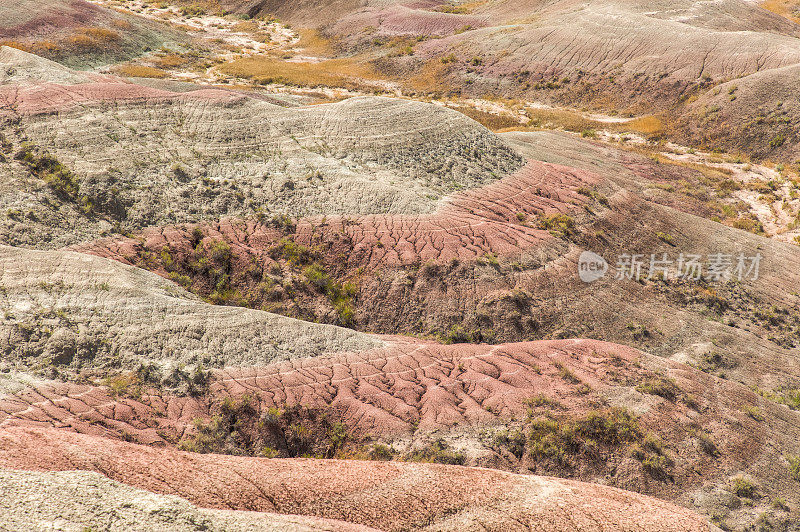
(490, 219)
(382, 392)
(50, 97)
(385, 495)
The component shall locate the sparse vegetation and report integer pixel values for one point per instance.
(566, 374)
(240, 427)
(344, 73)
(46, 167)
(437, 452)
(660, 386)
(559, 225)
(794, 466)
(742, 486)
(565, 440)
(754, 412)
(140, 71)
(666, 238)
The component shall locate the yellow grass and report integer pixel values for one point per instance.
(429, 78)
(38, 47)
(24, 46)
(140, 71)
(315, 44)
(784, 8)
(650, 126)
(171, 61)
(121, 24)
(99, 34)
(331, 73)
(489, 120)
(562, 119)
(93, 39)
(246, 26)
(462, 9)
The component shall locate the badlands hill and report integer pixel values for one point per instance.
(627, 57)
(246, 156)
(716, 75)
(420, 204)
(80, 33)
(228, 308)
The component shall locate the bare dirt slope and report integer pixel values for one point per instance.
(423, 496)
(628, 57)
(212, 153)
(81, 312)
(574, 408)
(79, 33)
(757, 113)
(73, 500)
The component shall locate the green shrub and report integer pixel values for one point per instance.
(660, 386)
(541, 400)
(380, 452)
(437, 452)
(754, 412)
(743, 487)
(291, 251)
(666, 238)
(707, 444)
(513, 440)
(777, 141)
(794, 466)
(46, 167)
(456, 335)
(559, 225)
(558, 439)
(193, 11)
(566, 374)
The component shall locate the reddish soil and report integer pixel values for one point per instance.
(474, 223)
(417, 390)
(388, 496)
(50, 98)
(382, 392)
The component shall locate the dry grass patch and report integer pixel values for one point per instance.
(650, 126)
(430, 78)
(562, 119)
(789, 9)
(491, 121)
(314, 43)
(169, 61)
(24, 46)
(45, 47)
(461, 9)
(121, 24)
(331, 73)
(93, 39)
(140, 71)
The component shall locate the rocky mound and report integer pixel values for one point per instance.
(467, 225)
(73, 500)
(756, 114)
(207, 154)
(583, 409)
(74, 312)
(20, 67)
(388, 496)
(80, 34)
